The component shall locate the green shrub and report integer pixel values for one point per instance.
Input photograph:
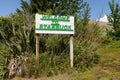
(52, 64)
(85, 51)
(28, 66)
(49, 64)
(4, 59)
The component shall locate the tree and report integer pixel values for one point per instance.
(58, 7)
(86, 14)
(114, 18)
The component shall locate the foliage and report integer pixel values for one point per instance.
(4, 59)
(86, 15)
(110, 44)
(28, 65)
(114, 18)
(58, 7)
(19, 31)
(86, 47)
(5, 29)
(50, 64)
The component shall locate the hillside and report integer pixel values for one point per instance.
(101, 24)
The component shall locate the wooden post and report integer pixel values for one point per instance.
(37, 45)
(37, 53)
(71, 51)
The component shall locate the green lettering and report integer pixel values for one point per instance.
(49, 17)
(54, 27)
(44, 17)
(41, 26)
(66, 27)
(55, 18)
(45, 26)
(59, 17)
(68, 18)
(49, 27)
(63, 18)
(57, 26)
(55, 22)
(69, 27)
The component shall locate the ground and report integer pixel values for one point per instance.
(107, 69)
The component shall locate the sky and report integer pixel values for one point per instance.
(99, 8)
(8, 6)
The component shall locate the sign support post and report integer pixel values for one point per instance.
(71, 51)
(37, 53)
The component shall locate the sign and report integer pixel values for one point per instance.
(53, 24)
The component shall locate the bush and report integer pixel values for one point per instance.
(4, 59)
(52, 64)
(28, 65)
(86, 47)
(49, 64)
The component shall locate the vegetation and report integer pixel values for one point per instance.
(17, 42)
(4, 56)
(107, 69)
(114, 18)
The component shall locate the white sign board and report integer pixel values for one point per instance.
(53, 24)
